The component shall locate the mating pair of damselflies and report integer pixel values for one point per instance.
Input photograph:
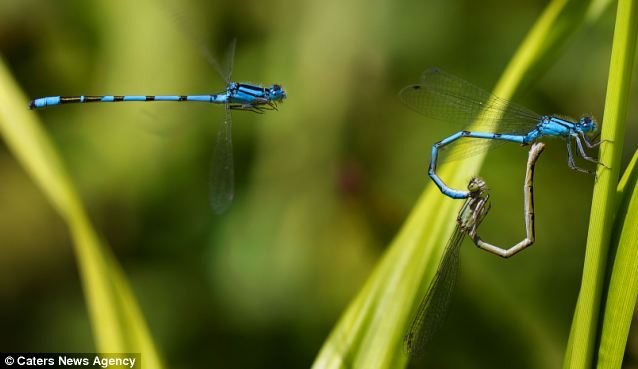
(446, 97)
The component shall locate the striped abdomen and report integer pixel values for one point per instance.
(57, 100)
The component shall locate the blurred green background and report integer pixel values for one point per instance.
(321, 186)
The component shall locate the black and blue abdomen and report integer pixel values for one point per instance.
(58, 100)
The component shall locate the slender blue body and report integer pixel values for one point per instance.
(548, 126)
(242, 96)
(446, 97)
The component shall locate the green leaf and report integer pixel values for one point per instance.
(623, 285)
(118, 324)
(581, 346)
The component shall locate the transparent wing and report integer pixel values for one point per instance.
(443, 96)
(185, 23)
(433, 308)
(229, 59)
(224, 71)
(222, 175)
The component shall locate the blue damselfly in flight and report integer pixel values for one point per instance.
(236, 96)
(432, 310)
(446, 97)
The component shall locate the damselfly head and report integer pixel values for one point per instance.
(587, 124)
(276, 93)
(476, 185)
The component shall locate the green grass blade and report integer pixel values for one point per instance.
(581, 346)
(628, 180)
(370, 332)
(623, 284)
(118, 325)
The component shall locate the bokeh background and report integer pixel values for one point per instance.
(322, 185)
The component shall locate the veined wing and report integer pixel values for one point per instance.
(222, 175)
(443, 96)
(225, 71)
(433, 308)
(185, 23)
